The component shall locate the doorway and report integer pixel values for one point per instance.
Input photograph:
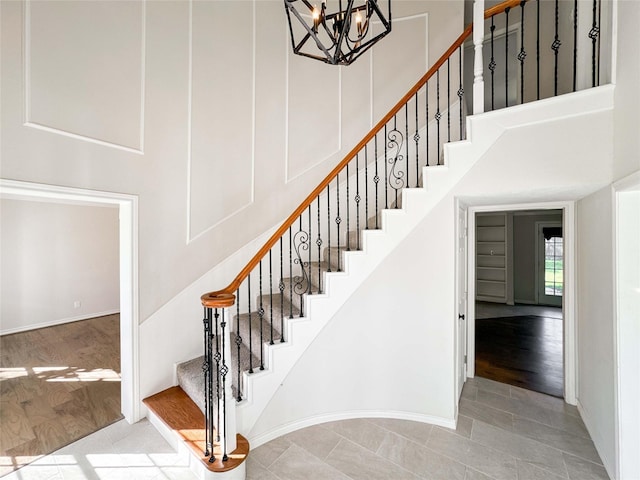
(511, 319)
(128, 276)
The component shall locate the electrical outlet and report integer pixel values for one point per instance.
(77, 304)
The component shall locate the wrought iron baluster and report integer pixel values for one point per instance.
(208, 388)
(376, 179)
(328, 230)
(426, 119)
(281, 288)
(593, 35)
(319, 244)
(301, 241)
(555, 46)
(261, 317)
(250, 322)
(290, 274)
(406, 135)
(338, 219)
(492, 64)
(223, 372)
(357, 199)
(217, 357)
(523, 54)
(386, 173)
(238, 343)
(270, 298)
(506, 56)
(366, 190)
(438, 116)
(460, 89)
(416, 138)
(347, 201)
(309, 251)
(448, 100)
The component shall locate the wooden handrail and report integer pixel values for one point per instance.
(226, 297)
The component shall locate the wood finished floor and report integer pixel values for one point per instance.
(57, 385)
(524, 350)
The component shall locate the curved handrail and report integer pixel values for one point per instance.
(226, 296)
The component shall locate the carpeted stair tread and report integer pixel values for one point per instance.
(255, 323)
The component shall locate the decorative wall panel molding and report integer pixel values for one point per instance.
(85, 70)
(314, 113)
(221, 112)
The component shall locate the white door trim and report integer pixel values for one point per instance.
(569, 300)
(129, 317)
(539, 249)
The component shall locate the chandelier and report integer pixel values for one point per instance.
(336, 36)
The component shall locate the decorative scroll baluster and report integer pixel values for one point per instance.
(281, 288)
(593, 35)
(238, 344)
(416, 138)
(395, 141)
(319, 244)
(492, 65)
(555, 46)
(270, 299)
(523, 54)
(506, 57)
(250, 323)
(302, 282)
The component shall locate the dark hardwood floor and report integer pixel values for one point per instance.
(525, 351)
(57, 385)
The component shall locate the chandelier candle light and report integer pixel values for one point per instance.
(327, 35)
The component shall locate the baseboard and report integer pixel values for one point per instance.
(332, 417)
(58, 322)
(525, 302)
(609, 465)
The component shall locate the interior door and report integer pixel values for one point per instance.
(461, 292)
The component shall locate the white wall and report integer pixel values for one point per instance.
(134, 97)
(627, 96)
(389, 351)
(53, 255)
(596, 372)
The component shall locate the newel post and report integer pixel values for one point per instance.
(478, 37)
(220, 412)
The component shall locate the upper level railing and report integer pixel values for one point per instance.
(531, 54)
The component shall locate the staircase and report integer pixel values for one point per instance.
(259, 326)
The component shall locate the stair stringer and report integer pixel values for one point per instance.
(396, 224)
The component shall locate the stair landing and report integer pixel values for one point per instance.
(184, 419)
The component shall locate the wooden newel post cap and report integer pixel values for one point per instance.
(218, 300)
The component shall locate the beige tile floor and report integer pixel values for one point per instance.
(503, 432)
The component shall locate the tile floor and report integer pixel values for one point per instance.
(503, 432)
